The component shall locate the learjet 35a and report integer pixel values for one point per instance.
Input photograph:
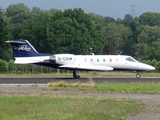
(25, 53)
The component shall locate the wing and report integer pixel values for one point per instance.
(88, 67)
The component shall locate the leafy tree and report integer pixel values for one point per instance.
(149, 18)
(127, 21)
(73, 31)
(17, 13)
(140, 50)
(109, 19)
(149, 34)
(4, 36)
(42, 15)
(117, 35)
(98, 19)
(153, 51)
(108, 50)
(3, 66)
(52, 11)
(145, 36)
(15, 30)
(128, 17)
(33, 29)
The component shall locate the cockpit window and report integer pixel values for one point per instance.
(131, 59)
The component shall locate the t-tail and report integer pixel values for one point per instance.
(24, 52)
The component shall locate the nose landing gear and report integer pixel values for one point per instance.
(138, 75)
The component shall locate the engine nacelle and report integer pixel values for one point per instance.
(62, 59)
(52, 59)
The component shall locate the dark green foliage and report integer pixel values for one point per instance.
(117, 35)
(149, 18)
(73, 31)
(17, 13)
(128, 17)
(108, 50)
(154, 51)
(3, 66)
(5, 50)
(99, 19)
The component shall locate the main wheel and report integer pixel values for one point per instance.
(76, 76)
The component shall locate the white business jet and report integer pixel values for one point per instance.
(25, 53)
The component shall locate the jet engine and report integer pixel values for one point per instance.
(62, 59)
(52, 59)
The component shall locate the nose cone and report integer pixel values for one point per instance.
(150, 68)
(146, 67)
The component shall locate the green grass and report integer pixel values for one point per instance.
(59, 108)
(47, 108)
(147, 88)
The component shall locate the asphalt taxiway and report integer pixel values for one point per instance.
(45, 80)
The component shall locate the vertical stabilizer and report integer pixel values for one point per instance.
(22, 48)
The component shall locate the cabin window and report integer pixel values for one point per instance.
(85, 60)
(130, 59)
(91, 60)
(110, 60)
(104, 60)
(97, 60)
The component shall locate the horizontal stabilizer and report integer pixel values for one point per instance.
(88, 67)
(19, 42)
(27, 60)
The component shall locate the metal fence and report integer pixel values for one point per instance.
(20, 69)
(30, 70)
(157, 70)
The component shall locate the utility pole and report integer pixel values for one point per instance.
(133, 11)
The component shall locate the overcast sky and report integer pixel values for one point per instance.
(112, 8)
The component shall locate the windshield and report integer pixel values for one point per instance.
(131, 59)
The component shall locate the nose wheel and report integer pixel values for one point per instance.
(138, 75)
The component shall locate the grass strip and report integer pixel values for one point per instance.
(71, 84)
(48, 108)
(147, 88)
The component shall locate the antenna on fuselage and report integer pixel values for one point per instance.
(91, 51)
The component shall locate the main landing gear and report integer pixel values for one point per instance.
(76, 73)
(138, 75)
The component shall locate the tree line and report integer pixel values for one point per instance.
(74, 31)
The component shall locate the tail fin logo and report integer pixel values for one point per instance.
(22, 47)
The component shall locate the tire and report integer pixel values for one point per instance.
(138, 75)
